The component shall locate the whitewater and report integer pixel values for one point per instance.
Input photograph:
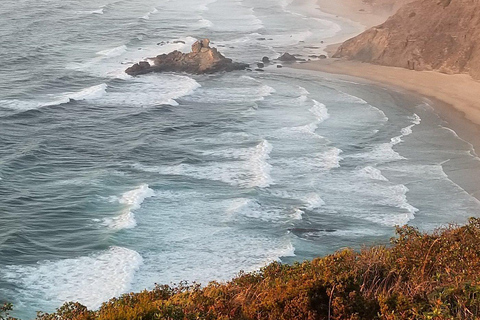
(111, 183)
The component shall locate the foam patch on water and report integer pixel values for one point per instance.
(90, 93)
(297, 214)
(357, 100)
(330, 159)
(472, 152)
(249, 208)
(249, 171)
(113, 52)
(147, 15)
(313, 201)
(153, 90)
(205, 23)
(384, 152)
(88, 12)
(250, 91)
(398, 198)
(320, 111)
(204, 6)
(132, 201)
(303, 91)
(259, 165)
(372, 173)
(89, 280)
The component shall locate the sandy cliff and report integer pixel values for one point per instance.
(441, 35)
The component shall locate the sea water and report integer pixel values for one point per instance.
(109, 183)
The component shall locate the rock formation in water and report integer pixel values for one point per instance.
(287, 57)
(202, 59)
(440, 35)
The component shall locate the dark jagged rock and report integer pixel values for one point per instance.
(287, 57)
(202, 59)
(279, 66)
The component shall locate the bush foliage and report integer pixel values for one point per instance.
(420, 276)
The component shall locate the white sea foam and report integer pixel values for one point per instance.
(205, 23)
(372, 173)
(408, 129)
(313, 201)
(87, 12)
(113, 52)
(357, 100)
(132, 201)
(20, 105)
(259, 166)
(167, 88)
(384, 194)
(320, 111)
(248, 208)
(303, 91)
(471, 151)
(302, 99)
(330, 159)
(384, 152)
(308, 128)
(90, 280)
(274, 254)
(147, 15)
(398, 198)
(416, 119)
(89, 93)
(204, 6)
(351, 98)
(242, 94)
(252, 171)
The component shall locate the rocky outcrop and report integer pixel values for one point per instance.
(202, 59)
(440, 35)
(287, 57)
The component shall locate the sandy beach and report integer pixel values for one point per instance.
(455, 98)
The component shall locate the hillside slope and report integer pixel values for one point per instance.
(441, 35)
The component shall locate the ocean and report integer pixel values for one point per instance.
(110, 183)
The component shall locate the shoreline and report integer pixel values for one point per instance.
(455, 98)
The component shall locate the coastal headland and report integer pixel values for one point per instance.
(460, 90)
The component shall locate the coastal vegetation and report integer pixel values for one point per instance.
(419, 276)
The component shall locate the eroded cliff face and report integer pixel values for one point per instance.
(441, 35)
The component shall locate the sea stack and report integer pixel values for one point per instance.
(203, 59)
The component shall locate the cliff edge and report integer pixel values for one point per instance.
(440, 35)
